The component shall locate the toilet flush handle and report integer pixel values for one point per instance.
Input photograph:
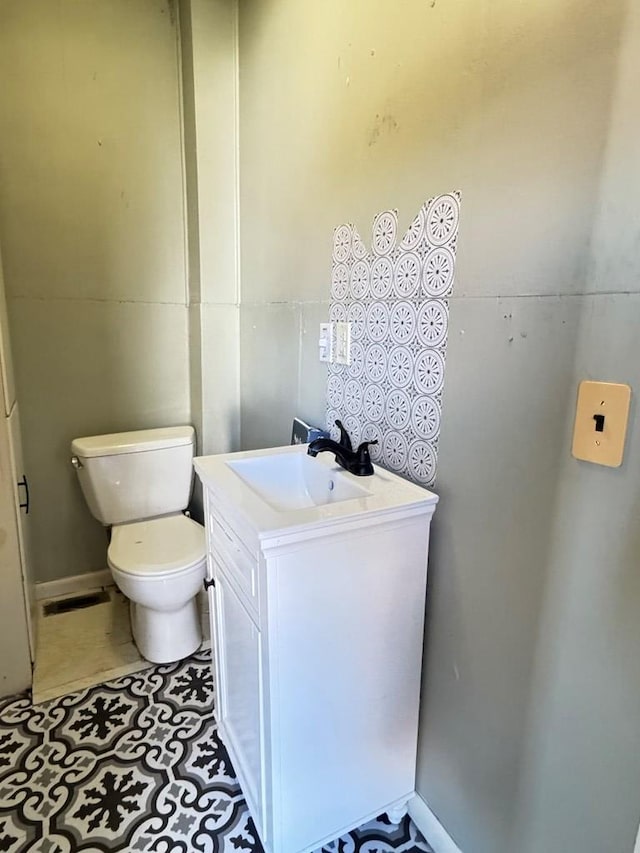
(76, 462)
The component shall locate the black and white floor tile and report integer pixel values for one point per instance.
(136, 765)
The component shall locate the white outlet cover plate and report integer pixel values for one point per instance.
(342, 353)
(326, 342)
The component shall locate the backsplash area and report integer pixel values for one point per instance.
(395, 297)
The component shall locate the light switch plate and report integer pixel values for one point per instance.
(343, 343)
(326, 342)
(600, 429)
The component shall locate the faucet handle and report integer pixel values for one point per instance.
(364, 447)
(345, 441)
(363, 459)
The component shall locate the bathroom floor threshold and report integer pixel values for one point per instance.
(84, 647)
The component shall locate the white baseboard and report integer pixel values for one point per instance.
(430, 827)
(73, 585)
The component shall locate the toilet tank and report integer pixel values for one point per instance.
(129, 476)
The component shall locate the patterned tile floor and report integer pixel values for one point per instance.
(136, 765)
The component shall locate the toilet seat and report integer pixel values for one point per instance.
(158, 547)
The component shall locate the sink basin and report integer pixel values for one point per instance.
(296, 481)
(279, 494)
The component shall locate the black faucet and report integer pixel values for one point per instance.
(356, 462)
(344, 440)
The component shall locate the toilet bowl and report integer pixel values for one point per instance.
(159, 565)
(138, 484)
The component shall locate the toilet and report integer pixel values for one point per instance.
(139, 484)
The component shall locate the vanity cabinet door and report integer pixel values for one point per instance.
(238, 650)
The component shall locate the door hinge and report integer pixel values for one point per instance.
(207, 583)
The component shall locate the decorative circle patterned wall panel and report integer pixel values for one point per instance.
(359, 280)
(337, 312)
(395, 298)
(385, 226)
(400, 366)
(340, 281)
(356, 368)
(437, 272)
(342, 244)
(357, 316)
(407, 274)
(381, 278)
(375, 363)
(415, 232)
(378, 321)
(442, 219)
(433, 322)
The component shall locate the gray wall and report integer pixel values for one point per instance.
(210, 87)
(582, 769)
(371, 106)
(92, 232)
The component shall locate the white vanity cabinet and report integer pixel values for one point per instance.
(317, 627)
(238, 645)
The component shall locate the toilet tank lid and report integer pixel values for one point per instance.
(132, 442)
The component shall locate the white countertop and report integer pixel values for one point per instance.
(386, 493)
